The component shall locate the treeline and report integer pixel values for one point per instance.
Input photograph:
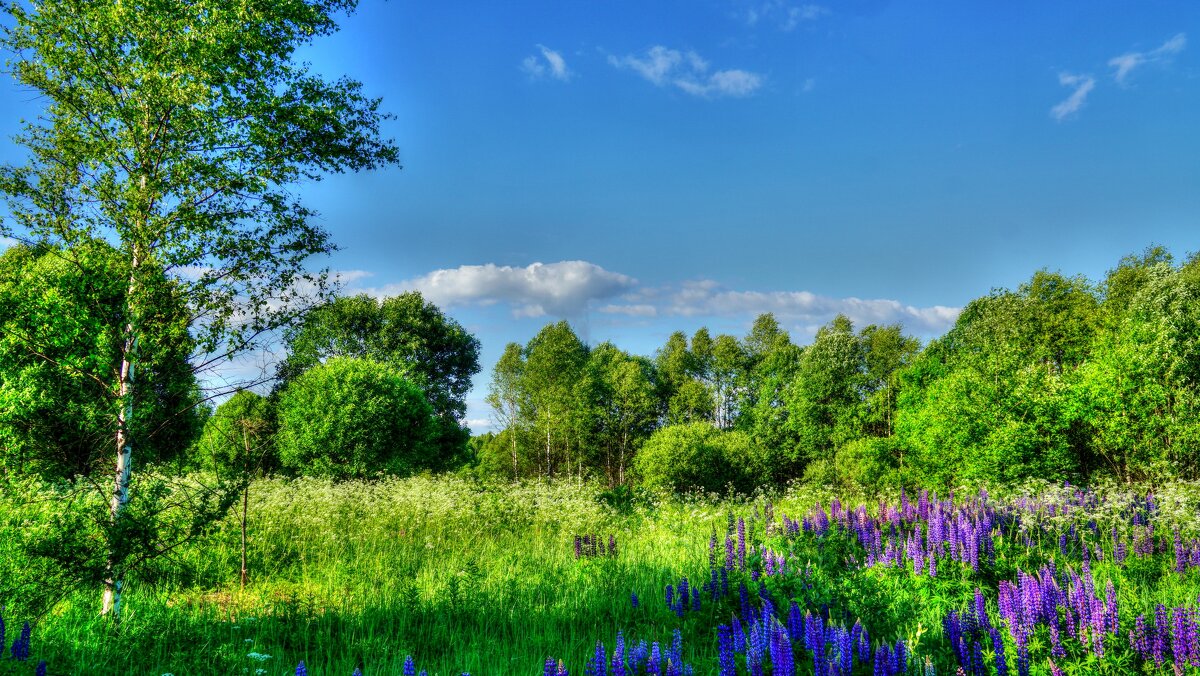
(1062, 378)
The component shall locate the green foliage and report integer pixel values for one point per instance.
(354, 418)
(58, 347)
(238, 438)
(698, 456)
(405, 332)
(176, 133)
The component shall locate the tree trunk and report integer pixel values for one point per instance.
(512, 432)
(114, 579)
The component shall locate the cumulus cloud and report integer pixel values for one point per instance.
(549, 64)
(1083, 85)
(688, 72)
(6, 242)
(707, 298)
(1124, 65)
(566, 288)
(783, 14)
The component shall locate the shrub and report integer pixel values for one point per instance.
(354, 418)
(680, 458)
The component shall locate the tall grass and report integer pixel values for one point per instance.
(485, 579)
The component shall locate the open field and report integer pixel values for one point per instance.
(487, 580)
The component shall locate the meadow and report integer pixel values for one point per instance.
(556, 577)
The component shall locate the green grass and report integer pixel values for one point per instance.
(484, 579)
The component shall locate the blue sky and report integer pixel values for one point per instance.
(644, 167)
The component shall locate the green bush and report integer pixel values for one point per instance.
(354, 418)
(698, 456)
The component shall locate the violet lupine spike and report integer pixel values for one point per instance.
(20, 647)
(301, 670)
(548, 668)
(654, 661)
(1000, 658)
(725, 651)
(618, 656)
(409, 669)
(883, 662)
(598, 665)
(755, 650)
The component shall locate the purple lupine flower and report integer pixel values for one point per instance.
(612, 545)
(998, 650)
(1161, 631)
(357, 672)
(20, 647)
(1137, 638)
(729, 548)
(618, 656)
(578, 547)
(725, 651)
(654, 662)
(883, 662)
(638, 655)
(548, 668)
(845, 648)
(782, 659)
(685, 594)
(795, 622)
(739, 637)
(1179, 638)
(1055, 670)
(633, 599)
(1022, 658)
(410, 669)
(695, 598)
(598, 665)
(301, 670)
(864, 646)
(41, 669)
(670, 597)
(675, 655)
(754, 653)
(901, 653)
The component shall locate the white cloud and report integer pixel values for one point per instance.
(1125, 64)
(565, 288)
(478, 423)
(1083, 85)
(688, 72)
(551, 64)
(707, 298)
(783, 14)
(6, 242)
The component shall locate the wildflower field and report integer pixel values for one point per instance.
(449, 576)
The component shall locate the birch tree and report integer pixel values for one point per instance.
(178, 132)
